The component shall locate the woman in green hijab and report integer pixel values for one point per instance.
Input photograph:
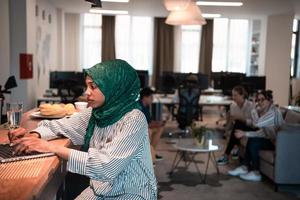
(113, 131)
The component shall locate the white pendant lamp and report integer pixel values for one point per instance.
(176, 4)
(192, 15)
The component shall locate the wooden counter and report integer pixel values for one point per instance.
(31, 179)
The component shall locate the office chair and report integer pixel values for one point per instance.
(188, 110)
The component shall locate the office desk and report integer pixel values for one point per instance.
(204, 100)
(171, 100)
(31, 179)
(51, 100)
(212, 91)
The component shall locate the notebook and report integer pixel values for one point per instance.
(6, 154)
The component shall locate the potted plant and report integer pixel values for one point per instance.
(200, 135)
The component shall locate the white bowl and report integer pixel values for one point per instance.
(80, 105)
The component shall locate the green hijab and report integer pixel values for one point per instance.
(119, 83)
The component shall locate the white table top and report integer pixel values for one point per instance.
(205, 100)
(188, 144)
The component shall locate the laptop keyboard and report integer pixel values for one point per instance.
(6, 154)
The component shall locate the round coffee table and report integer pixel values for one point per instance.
(187, 150)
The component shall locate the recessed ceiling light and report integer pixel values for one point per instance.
(208, 15)
(218, 3)
(113, 12)
(117, 1)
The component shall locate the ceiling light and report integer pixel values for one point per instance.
(116, 1)
(218, 3)
(112, 12)
(176, 4)
(192, 15)
(208, 15)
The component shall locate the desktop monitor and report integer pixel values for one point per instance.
(144, 78)
(58, 78)
(203, 81)
(168, 83)
(254, 83)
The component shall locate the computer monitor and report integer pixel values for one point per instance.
(57, 78)
(167, 83)
(203, 81)
(144, 78)
(254, 83)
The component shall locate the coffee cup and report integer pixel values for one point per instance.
(80, 105)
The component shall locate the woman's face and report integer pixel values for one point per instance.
(94, 95)
(263, 102)
(237, 98)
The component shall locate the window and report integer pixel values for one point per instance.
(295, 70)
(190, 48)
(230, 46)
(91, 39)
(134, 41)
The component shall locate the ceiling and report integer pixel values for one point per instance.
(251, 8)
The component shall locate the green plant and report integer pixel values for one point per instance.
(199, 132)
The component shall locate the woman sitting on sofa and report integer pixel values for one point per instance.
(267, 118)
(239, 118)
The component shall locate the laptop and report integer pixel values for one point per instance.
(6, 154)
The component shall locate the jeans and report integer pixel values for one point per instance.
(254, 145)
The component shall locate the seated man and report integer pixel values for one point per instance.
(155, 128)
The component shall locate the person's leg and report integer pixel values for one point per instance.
(156, 136)
(254, 145)
(74, 185)
(150, 132)
(231, 143)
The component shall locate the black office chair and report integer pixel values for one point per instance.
(188, 110)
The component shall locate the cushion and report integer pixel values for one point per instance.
(292, 117)
(267, 155)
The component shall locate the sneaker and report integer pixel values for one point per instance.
(158, 157)
(223, 160)
(235, 154)
(238, 171)
(251, 176)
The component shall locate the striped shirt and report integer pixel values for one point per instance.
(269, 123)
(118, 160)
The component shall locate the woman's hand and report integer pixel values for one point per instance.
(32, 144)
(20, 132)
(239, 134)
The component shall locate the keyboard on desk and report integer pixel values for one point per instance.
(7, 155)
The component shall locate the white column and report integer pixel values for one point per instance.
(277, 56)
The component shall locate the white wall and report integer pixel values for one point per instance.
(72, 42)
(18, 44)
(4, 42)
(277, 60)
(46, 41)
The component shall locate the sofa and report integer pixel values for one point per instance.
(282, 166)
